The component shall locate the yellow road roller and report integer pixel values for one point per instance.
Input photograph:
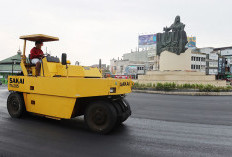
(65, 91)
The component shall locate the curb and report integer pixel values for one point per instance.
(185, 93)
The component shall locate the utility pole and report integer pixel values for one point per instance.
(99, 64)
(13, 62)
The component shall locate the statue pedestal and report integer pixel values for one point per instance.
(170, 61)
(177, 69)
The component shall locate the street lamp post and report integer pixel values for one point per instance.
(13, 62)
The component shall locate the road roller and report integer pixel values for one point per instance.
(65, 91)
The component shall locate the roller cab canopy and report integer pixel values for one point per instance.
(35, 37)
(39, 37)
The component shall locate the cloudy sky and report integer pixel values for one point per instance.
(93, 29)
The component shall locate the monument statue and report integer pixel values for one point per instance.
(173, 39)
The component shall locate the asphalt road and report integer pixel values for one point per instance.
(161, 125)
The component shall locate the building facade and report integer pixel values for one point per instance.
(127, 67)
(224, 62)
(10, 66)
(198, 61)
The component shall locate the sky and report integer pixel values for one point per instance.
(92, 29)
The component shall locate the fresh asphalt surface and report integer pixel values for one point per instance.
(161, 125)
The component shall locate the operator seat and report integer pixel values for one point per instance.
(29, 58)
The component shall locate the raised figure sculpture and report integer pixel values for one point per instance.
(174, 38)
(176, 26)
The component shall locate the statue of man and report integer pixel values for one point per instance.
(176, 26)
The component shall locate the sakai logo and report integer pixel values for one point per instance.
(17, 80)
(124, 83)
(14, 85)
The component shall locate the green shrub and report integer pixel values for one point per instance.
(159, 86)
(188, 86)
(136, 85)
(209, 88)
(154, 86)
(170, 86)
(173, 85)
(228, 88)
(149, 85)
(179, 86)
(193, 86)
(166, 86)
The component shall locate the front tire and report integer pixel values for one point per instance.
(15, 105)
(101, 117)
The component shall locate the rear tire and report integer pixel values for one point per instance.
(101, 117)
(122, 106)
(15, 105)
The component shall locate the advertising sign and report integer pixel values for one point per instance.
(213, 71)
(131, 70)
(227, 52)
(113, 70)
(221, 65)
(121, 76)
(228, 62)
(213, 64)
(191, 42)
(147, 39)
(213, 56)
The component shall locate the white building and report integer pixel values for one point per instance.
(127, 67)
(134, 63)
(198, 61)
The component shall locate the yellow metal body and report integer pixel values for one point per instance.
(55, 92)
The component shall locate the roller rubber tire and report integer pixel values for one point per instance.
(100, 117)
(15, 105)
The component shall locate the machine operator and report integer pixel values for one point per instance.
(36, 55)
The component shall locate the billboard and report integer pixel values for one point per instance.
(213, 57)
(221, 65)
(213, 64)
(146, 40)
(131, 70)
(213, 71)
(121, 76)
(191, 42)
(227, 52)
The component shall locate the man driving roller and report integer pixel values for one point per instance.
(36, 55)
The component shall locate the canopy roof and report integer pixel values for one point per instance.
(39, 37)
(9, 60)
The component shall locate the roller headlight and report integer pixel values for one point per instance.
(113, 90)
